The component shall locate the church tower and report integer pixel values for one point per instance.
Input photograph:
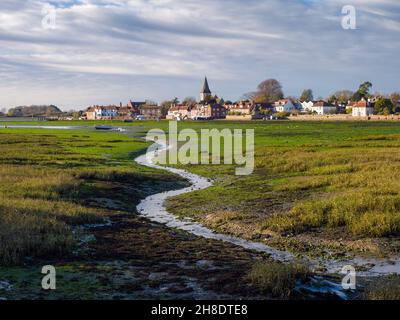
(205, 92)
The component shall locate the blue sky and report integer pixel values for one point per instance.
(107, 51)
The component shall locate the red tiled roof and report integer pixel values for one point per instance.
(361, 104)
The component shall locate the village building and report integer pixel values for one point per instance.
(319, 107)
(153, 112)
(130, 111)
(246, 110)
(179, 112)
(136, 105)
(127, 113)
(322, 108)
(102, 113)
(284, 105)
(241, 108)
(362, 108)
(306, 106)
(340, 107)
(208, 111)
(111, 112)
(209, 107)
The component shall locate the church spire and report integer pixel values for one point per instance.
(205, 92)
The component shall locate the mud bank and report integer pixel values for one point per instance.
(153, 208)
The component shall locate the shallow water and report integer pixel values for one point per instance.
(22, 126)
(153, 209)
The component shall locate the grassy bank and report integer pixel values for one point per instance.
(50, 180)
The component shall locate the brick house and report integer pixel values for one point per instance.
(153, 112)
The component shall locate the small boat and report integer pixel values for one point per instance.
(103, 127)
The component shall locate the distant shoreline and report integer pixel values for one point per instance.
(298, 118)
(12, 119)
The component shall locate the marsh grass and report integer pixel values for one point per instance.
(278, 279)
(387, 288)
(310, 176)
(46, 177)
(366, 202)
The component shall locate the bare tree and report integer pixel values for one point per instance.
(343, 96)
(189, 101)
(249, 96)
(167, 104)
(307, 95)
(269, 91)
(293, 99)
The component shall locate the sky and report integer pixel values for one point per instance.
(110, 51)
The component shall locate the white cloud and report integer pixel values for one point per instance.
(173, 43)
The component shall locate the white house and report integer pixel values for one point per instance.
(322, 107)
(106, 112)
(306, 106)
(319, 107)
(102, 112)
(284, 105)
(362, 108)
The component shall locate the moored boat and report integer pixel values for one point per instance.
(103, 127)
